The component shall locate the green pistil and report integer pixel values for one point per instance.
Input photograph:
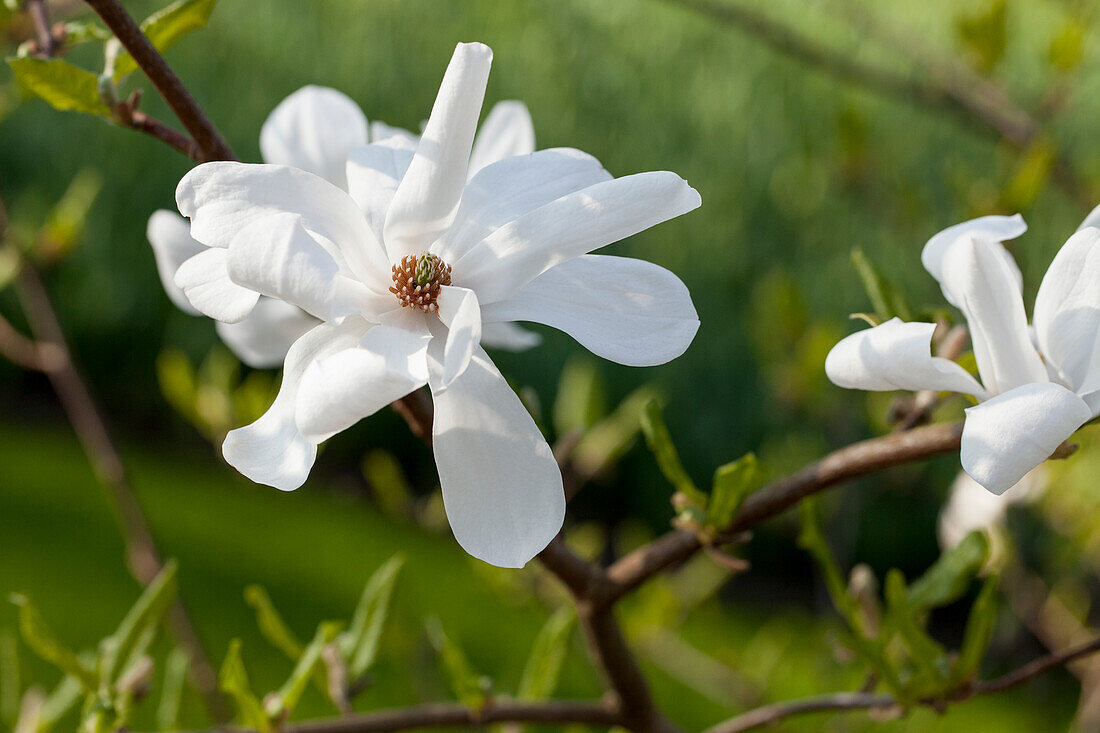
(425, 269)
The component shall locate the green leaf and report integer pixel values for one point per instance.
(950, 576)
(544, 665)
(468, 686)
(732, 483)
(283, 702)
(606, 442)
(580, 400)
(9, 679)
(42, 641)
(979, 631)
(140, 623)
(166, 26)
(924, 650)
(60, 702)
(233, 681)
(271, 624)
(175, 675)
(1030, 177)
(360, 643)
(62, 85)
(1067, 47)
(65, 223)
(885, 298)
(668, 460)
(985, 35)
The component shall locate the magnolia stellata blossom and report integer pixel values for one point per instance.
(1034, 393)
(314, 129)
(405, 267)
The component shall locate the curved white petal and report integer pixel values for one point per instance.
(313, 129)
(896, 355)
(271, 450)
(507, 336)
(629, 311)
(506, 131)
(277, 257)
(506, 190)
(460, 313)
(1092, 220)
(985, 290)
(568, 227)
(1012, 433)
(501, 486)
(170, 238)
(389, 362)
(204, 281)
(995, 229)
(1067, 312)
(381, 132)
(223, 197)
(428, 196)
(263, 338)
(374, 172)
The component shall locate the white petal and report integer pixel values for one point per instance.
(985, 290)
(506, 190)
(428, 196)
(1012, 433)
(204, 280)
(507, 336)
(1067, 313)
(994, 229)
(271, 450)
(571, 226)
(501, 486)
(896, 355)
(1092, 220)
(381, 132)
(263, 338)
(172, 244)
(313, 129)
(222, 198)
(506, 131)
(629, 311)
(389, 362)
(277, 257)
(460, 313)
(374, 172)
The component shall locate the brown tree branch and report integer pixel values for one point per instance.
(850, 701)
(47, 43)
(211, 144)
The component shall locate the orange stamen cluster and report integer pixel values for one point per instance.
(417, 280)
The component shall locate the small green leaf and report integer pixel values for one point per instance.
(62, 85)
(732, 483)
(924, 650)
(947, 580)
(979, 632)
(580, 400)
(166, 26)
(468, 686)
(140, 623)
(271, 624)
(42, 641)
(175, 675)
(885, 298)
(283, 702)
(540, 675)
(233, 681)
(660, 444)
(60, 702)
(360, 643)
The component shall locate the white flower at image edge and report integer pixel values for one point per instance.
(404, 269)
(314, 129)
(1032, 395)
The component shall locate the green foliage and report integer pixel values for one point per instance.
(1067, 47)
(732, 483)
(359, 645)
(171, 695)
(947, 580)
(65, 224)
(664, 451)
(135, 632)
(43, 642)
(886, 300)
(606, 442)
(281, 704)
(62, 85)
(233, 681)
(984, 35)
(271, 624)
(979, 631)
(471, 688)
(544, 665)
(166, 26)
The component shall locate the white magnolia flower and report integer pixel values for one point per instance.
(314, 129)
(404, 269)
(1032, 396)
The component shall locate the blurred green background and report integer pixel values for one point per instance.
(795, 167)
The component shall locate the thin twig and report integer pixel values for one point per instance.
(210, 142)
(47, 43)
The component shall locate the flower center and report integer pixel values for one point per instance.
(417, 280)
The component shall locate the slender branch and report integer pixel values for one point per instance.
(141, 553)
(850, 701)
(47, 43)
(858, 459)
(210, 142)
